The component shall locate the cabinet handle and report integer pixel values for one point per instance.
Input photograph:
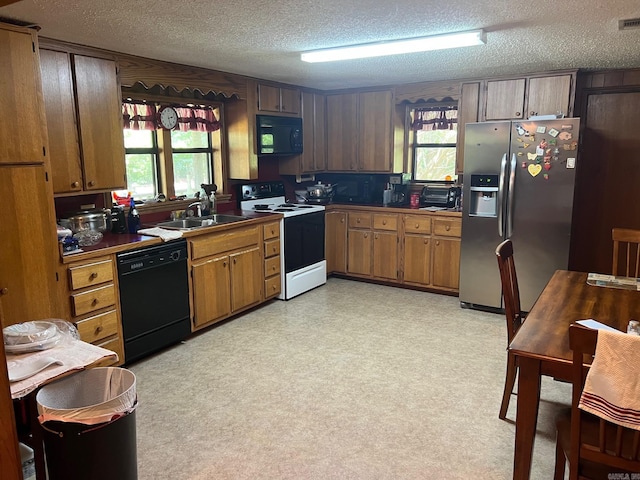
(375, 236)
(532, 113)
(358, 220)
(224, 264)
(235, 260)
(447, 227)
(94, 302)
(518, 114)
(91, 183)
(4, 291)
(384, 222)
(437, 242)
(426, 242)
(417, 225)
(75, 184)
(99, 329)
(342, 220)
(273, 287)
(366, 235)
(273, 268)
(93, 276)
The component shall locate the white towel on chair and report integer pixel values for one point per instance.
(612, 387)
(163, 233)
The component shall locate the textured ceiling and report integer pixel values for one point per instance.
(263, 38)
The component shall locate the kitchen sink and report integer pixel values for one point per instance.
(200, 222)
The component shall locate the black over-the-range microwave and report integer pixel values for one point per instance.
(278, 135)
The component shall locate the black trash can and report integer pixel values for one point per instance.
(89, 426)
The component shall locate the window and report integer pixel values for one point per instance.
(174, 162)
(433, 139)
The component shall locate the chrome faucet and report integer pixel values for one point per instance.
(194, 204)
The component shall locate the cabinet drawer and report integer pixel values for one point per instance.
(270, 230)
(272, 266)
(115, 345)
(272, 286)
(96, 328)
(417, 224)
(385, 222)
(91, 274)
(223, 242)
(447, 228)
(271, 248)
(359, 220)
(93, 300)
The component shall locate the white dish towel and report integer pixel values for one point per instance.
(163, 233)
(612, 387)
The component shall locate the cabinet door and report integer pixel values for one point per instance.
(211, 290)
(336, 242)
(59, 102)
(268, 98)
(319, 133)
(359, 252)
(23, 135)
(29, 289)
(374, 132)
(446, 263)
(247, 278)
(468, 109)
(100, 119)
(385, 255)
(505, 99)
(342, 132)
(290, 101)
(417, 259)
(549, 95)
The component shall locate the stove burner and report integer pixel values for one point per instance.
(261, 207)
(287, 205)
(283, 209)
(305, 206)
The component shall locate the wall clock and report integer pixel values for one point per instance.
(168, 118)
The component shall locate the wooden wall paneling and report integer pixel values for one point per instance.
(607, 178)
(428, 91)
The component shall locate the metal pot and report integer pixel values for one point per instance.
(320, 191)
(98, 220)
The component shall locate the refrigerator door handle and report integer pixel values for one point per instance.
(503, 172)
(511, 195)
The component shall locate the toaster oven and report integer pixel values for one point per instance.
(440, 195)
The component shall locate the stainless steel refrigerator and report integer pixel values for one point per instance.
(518, 184)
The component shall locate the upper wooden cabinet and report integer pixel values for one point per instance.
(314, 149)
(359, 132)
(521, 98)
(278, 99)
(468, 109)
(23, 138)
(87, 150)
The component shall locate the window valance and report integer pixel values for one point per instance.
(435, 118)
(145, 116)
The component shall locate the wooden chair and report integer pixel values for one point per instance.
(594, 447)
(511, 296)
(627, 242)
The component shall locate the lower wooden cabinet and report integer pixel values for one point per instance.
(272, 260)
(336, 241)
(420, 249)
(94, 304)
(227, 274)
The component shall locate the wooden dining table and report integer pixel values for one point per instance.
(541, 346)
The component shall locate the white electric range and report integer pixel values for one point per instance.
(302, 256)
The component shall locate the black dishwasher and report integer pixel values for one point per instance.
(154, 298)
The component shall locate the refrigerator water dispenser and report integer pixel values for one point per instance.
(484, 196)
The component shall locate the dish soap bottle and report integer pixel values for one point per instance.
(133, 221)
(204, 204)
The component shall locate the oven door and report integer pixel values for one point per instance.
(303, 240)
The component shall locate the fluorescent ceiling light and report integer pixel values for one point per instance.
(409, 45)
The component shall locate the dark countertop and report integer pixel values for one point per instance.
(120, 242)
(406, 209)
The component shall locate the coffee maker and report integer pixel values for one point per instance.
(399, 188)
